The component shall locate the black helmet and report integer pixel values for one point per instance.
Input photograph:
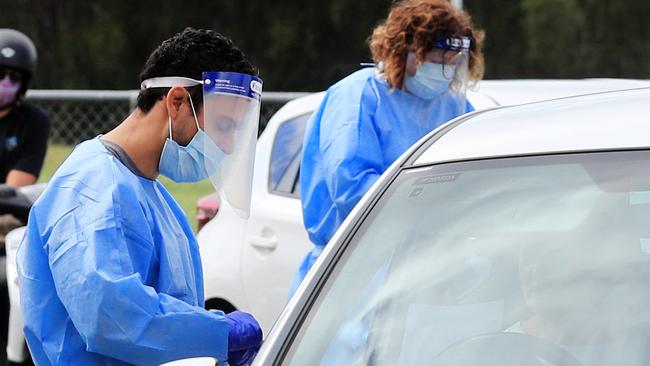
(18, 51)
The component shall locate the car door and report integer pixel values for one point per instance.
(276, 240)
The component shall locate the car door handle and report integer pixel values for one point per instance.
(264, 242)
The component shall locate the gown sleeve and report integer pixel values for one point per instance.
(343, 134)
(98, 275)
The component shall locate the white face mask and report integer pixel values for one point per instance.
(191, 163)
(430, 80)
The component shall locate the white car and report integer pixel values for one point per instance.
(514, 236)
(249, 265)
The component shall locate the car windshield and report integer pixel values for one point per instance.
(540, 260)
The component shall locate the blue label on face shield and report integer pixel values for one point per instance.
(233, 83)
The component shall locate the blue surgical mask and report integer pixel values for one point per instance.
(191, 163)
(430, 80)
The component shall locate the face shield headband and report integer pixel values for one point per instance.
(458, 44)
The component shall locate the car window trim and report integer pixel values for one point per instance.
(534, 154)
(296, 179)
(288, 180)
(269, 187)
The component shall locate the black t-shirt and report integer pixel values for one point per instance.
(23, 140)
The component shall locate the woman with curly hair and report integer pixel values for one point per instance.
(425, 52)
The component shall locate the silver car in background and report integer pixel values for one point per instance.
(249, 264)
(513, 236)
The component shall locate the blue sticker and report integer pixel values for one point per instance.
(11, 143)
(233, 83)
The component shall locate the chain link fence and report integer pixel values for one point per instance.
(78, 115)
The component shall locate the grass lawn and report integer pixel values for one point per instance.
(186, 194)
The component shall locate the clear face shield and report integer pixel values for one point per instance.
(225, 147)
(231, 109)
(444, 71)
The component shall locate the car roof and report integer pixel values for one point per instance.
(297, 107)
(602, 121)
(489, 93)
(518, 91)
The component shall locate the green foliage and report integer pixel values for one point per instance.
(564, 38)
(102, 44)
(302, 46)
(553, 30)
(56, 154)
(187, 195)
(505, 43)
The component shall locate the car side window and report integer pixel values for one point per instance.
(541, 249)
(286, 155)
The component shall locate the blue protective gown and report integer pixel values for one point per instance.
(359, 130)
(110, 272)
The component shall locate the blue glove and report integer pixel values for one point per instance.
(241, 358)
(244, 338)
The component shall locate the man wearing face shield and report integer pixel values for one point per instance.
(425, 53)
(109, 269)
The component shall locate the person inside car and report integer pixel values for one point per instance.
(586, 293)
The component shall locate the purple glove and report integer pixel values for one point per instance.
(241, 358)
(244, 338)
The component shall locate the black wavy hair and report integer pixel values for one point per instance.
(189, 54)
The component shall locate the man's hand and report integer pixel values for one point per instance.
(241, 358)
(244, 338)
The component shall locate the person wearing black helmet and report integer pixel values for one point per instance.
(24, 133)
(23, 128)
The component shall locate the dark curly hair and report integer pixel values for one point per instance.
(417, 25)
(189, 54)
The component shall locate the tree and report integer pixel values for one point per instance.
(554, 30)
(307, 46)
(564, 38)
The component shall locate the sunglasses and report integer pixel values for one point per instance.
(14, 75)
